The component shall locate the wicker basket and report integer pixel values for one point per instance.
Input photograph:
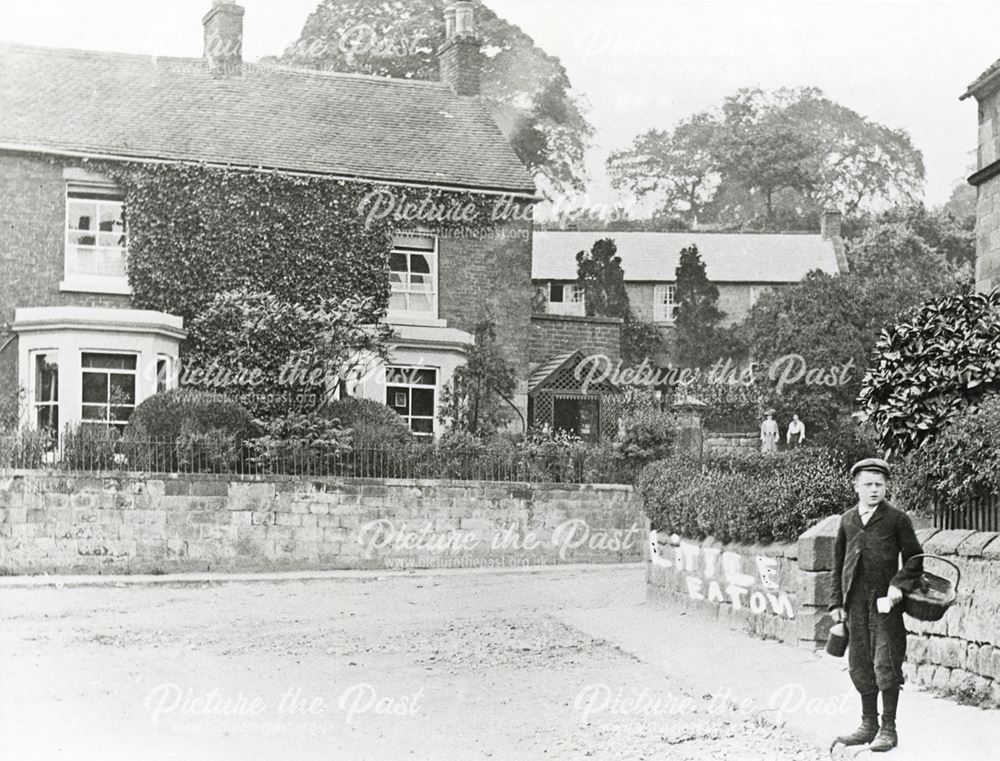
(935, 596)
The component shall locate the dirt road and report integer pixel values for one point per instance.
(451, 665)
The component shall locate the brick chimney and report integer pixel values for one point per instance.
(224, 37)
(829, 224)
(459, 56)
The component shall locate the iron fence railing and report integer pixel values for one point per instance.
(978, 514)
(209, 454)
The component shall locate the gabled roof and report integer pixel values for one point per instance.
(987, 77)
(728, 257)
(551, 366)
(143, 107)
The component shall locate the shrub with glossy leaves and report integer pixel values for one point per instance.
(931, 367)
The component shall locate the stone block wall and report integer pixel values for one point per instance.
(988, 195)
(961, 652)
(56, 523)
(725, 443)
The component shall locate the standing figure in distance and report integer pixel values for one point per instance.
(796, 432)
(871, 538)
(769, 433)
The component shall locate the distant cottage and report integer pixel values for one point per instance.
(986, 90)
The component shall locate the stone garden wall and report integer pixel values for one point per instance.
(54, 523)
(726, 443)
(783, 591)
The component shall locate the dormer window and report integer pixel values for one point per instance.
(413, 268)
(96, 239)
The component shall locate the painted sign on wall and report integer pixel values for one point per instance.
(727, 577)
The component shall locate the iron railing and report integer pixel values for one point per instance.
(978, 514)
(222, 455)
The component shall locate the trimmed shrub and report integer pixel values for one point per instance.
(373, 424)
(745, 497)
(189, 431)
(165, 416)
(301, 444)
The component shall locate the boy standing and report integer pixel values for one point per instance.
(872, 537)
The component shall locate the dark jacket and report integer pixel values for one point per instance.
(878, 546)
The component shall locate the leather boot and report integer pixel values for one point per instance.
(886, 739)
(863, 734)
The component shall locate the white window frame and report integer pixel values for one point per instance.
(135, 380)
(75, 279)
(169, 380)
(406, 287)
(410, 373)
(664, 303)
(574, 305)
(34, 404)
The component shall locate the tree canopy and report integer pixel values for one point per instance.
(527, 89)
(698, 314)
(771, 160)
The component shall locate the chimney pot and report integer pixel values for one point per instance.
(449, 22)
(464, 18)
(224, 37)
(459, 56)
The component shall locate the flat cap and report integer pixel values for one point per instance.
(872, 463)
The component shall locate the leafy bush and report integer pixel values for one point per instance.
(647, 434)
(188, 430)
(931, 367)
(745, 497)
(166, 415)
(733, 406)
(373, 424)
(302, 444)
(962, 462)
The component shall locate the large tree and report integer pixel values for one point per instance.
(698, 314)
(771, 159)
(829, 324)
(527, 89)
(600, 273)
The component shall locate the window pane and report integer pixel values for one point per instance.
(420, 303)
(396, 375)
(82, 239)
(111, 240)
(421, 283)
(422, 402)
(121, 413)
(425, 377)
(555, 293)
(46, 378)
(93, 412)
(397, 262)
(422, 425)
(48, 416)
(414, 242)
(82, 215)
(110, 218)
(123, 389)
(110, 361)
(95, 388)
(398, 302)
(419, 263)
(398, 399)
(396, 279)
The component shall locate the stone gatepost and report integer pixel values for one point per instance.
(690, 412)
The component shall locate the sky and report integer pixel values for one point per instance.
(642, 64)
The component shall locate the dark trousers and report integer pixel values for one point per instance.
(876, 641)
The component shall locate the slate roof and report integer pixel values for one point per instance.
(275, 117)
(981, 80)
(728, 257)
